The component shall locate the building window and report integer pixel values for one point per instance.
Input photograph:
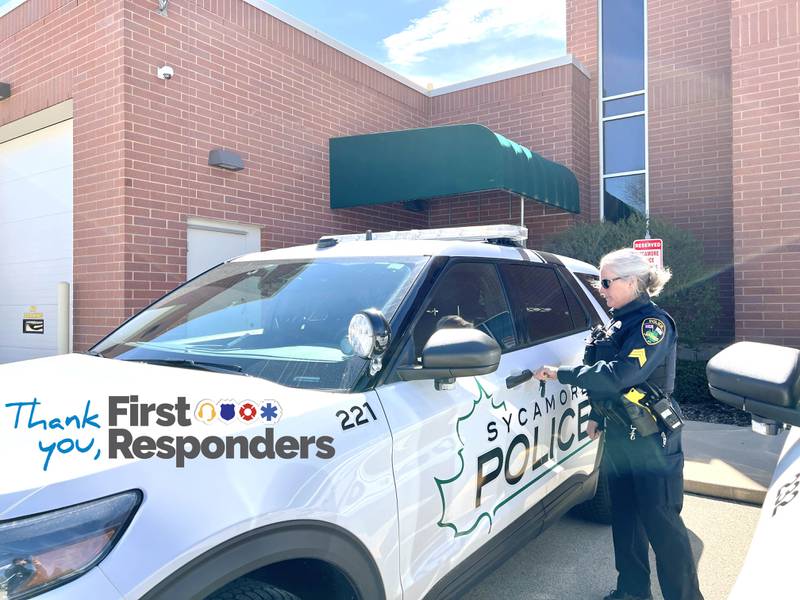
(623, 145)
(623, 109)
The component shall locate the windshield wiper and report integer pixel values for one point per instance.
(192, 364)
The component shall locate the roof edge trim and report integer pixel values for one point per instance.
(355, 54)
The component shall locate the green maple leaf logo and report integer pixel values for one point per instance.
(441, 483)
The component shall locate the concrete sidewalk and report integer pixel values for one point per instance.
(730, 462)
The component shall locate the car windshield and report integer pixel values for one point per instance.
(285, 321)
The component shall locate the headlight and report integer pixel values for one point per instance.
(43, 551)
(368, 333)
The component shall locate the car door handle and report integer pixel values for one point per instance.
(515, 380)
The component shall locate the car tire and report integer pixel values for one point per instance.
(598, 509)
(246, 588)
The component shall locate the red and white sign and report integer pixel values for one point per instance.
(653, 250)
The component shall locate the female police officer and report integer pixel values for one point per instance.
(645, 470)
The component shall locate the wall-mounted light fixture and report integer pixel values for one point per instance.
(5, 90)
(225, 159)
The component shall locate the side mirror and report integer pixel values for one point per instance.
(762, 379)
(452, 353)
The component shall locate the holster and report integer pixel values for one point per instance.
(654, 409)
(644, 406)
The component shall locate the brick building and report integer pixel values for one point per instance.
(120, 156)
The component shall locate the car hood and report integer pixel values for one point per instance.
(57, 422)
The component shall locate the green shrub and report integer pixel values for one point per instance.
(691, 384)
(691, 296)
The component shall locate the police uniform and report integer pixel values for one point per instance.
(645, 471)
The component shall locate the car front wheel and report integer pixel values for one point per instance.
(250, 589)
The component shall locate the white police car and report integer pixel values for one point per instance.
(764, 379)
(304, 423)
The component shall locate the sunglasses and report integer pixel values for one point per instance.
(606, 283)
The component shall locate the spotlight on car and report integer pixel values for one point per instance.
(368, 333)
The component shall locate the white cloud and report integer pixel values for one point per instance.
(460, 22)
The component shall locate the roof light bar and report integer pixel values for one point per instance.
(478, 233)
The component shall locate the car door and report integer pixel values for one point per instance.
(552, 325)
(470, 460)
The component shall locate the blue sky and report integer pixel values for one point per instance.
(441, 42)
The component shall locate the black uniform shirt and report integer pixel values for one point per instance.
(644, 339)
(644, 348)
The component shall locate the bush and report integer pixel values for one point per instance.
(691, 384)
(691, 296)
(697, 403)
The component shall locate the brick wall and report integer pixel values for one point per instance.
(243, 81)
(689, 112)
(249, 83)
(690, 128)
(582, 43)
(53, 50)
(540, 111)
(765, 42)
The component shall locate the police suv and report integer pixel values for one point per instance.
(350, 419)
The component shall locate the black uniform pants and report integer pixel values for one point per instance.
(645, 507)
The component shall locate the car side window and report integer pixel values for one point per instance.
(538, 302)
(580, 318)
(472, 291)
(592, 285)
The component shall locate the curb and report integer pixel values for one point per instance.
(725, 492)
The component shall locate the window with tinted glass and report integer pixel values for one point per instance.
(623, 101)
(623, 46)
(579, 314)
(622, 106)
(587, 286)
(623, 144)
(472, 291)
(538, 302)
(592, 283)
(623, 196)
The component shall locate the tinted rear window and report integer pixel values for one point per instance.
(538, 302)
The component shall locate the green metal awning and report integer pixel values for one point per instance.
(417, 164)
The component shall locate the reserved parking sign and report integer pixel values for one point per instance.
(653, 250)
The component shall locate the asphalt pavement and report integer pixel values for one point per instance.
(574, 559)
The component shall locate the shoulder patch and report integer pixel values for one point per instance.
(653, 331)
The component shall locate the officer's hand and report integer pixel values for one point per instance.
(546, 373)
(591, 429)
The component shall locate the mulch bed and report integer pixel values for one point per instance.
(697, 404)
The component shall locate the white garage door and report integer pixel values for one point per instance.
(35, 238)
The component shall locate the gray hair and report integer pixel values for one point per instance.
(627, 262)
